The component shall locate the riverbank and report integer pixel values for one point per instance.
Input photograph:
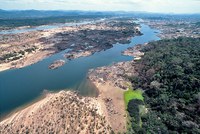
(61, 112)
(22, 49)
(67, 111)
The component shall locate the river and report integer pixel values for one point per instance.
(21, 86)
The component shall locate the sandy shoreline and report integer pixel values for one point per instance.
(60, 112)
(109, 101)
(9, 114)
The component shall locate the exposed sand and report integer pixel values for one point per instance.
(109, 108)
(109, 111)
(63, 112)
(112, 102)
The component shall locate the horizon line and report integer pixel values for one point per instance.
(169, 13)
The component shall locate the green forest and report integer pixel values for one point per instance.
(169, 74)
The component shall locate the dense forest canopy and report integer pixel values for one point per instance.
(169, 73)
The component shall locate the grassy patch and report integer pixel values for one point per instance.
(133, 94)
(136, 110)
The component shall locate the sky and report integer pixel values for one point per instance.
(159, 6)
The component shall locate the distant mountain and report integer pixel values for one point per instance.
(4, 14)
(13, 14)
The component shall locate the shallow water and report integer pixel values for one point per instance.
(21, 86)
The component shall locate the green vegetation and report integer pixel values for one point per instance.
(135, 106)
(132, 94)
(169, 73)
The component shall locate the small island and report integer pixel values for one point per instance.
(56, 64)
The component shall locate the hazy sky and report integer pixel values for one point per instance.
(164, 6)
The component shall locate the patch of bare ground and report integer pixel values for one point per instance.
(63, 112)
(112, 103)
(111, 84)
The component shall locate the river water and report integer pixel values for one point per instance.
(21, 86)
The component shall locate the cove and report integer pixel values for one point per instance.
(21, 86)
